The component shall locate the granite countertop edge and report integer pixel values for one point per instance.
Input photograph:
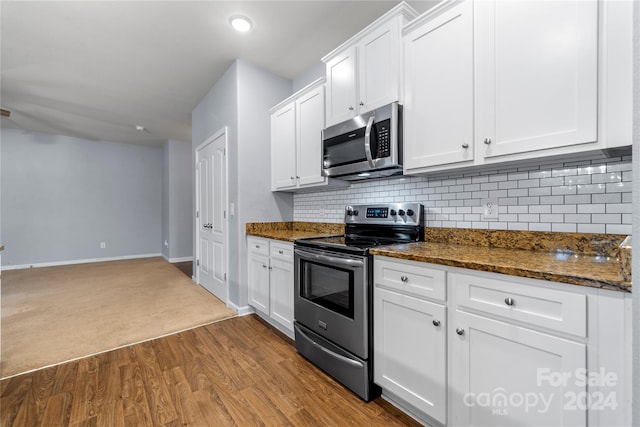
(602, 273)
(592, 271)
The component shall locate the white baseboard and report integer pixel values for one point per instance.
(181, 259)
(76, 261)
(242, 311)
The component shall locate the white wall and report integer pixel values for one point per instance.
(177, 214)
(240, 100)
(62, 196)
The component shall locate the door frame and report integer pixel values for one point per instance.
(222, 132)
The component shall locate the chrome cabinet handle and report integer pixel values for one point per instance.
(436, 323)
(465, 146)
(459, 331)
(509, 301)
(487, 141)
(404, 279)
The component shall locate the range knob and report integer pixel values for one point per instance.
(355, 212)
(393, 212)
(401, 212)
(410, 212)
(349, 212)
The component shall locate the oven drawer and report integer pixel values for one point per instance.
(258, 246)
(410, 277)
(283, 251)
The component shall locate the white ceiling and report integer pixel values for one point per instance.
(95, 69)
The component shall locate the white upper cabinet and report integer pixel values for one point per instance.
(495, 81)
(341, 86)
(283, 147)
(309, 124)
(364, 72)
(438, 76)
(296, 141)
(536, 75)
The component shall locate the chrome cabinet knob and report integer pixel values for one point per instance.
(350, 108)
(509, 301)
(404, 279)
(436, 323)
(280, 252)
(487, 141)
(361, 104)
(465, 146)
(459, 331)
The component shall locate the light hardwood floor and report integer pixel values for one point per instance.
(235, 372)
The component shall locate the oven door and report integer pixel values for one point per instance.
(331, 297)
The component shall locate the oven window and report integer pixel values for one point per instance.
(329, 287)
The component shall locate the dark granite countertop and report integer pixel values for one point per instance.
(290, 231)
(599, 271)
(585, 259)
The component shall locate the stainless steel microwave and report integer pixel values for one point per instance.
(366, 146)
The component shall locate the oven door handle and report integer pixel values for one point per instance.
(330, 259)
(340, 357)
(367, 143)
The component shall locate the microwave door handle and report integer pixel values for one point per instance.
(367, 143)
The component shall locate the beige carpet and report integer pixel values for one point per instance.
(54, 314)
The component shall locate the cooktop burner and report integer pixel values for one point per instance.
(368, 226)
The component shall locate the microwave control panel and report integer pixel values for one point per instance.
(383, 138)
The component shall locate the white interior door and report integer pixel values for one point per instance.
(212, 216)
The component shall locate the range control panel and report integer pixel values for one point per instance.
(385, 214)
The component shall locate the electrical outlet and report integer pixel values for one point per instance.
(489, 209)
(103, 245)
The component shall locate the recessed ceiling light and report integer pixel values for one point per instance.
(240, 23)
(139, 128)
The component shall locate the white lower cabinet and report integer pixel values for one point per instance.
(506, 375)
(410, 339)
(270, 277)
(487, 349)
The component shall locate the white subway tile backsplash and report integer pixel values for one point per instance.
(589, 196)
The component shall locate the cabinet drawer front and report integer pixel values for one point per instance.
(411, 278)
(283, 251)
(258, 246)
(548, 308)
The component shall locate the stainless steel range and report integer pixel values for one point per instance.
(334, 290)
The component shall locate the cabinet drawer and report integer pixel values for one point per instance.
(410, 277)
(258, 246)
(539, 306)
(283, 251)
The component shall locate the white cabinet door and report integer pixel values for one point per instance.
(378, 71)
(410, 350)
(506, 375)
(438, 94)
(259, 282)
(281, 281)
(283, 147)
(310, 122)
(536, 75)
(341, 87)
